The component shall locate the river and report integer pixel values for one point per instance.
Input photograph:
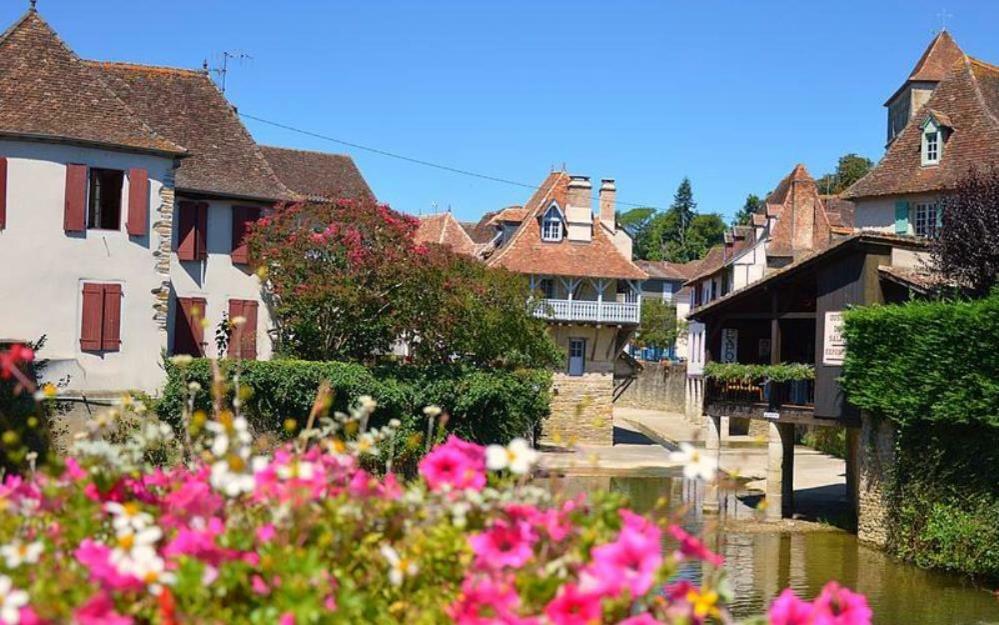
(761, 563)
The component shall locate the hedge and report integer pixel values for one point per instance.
(932, 369)
(483, 406)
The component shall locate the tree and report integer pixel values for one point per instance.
(684, 207)
(657, 327)
(679, 234)
(850, 168)
(744, 216)
(636, 223)
(966, 249)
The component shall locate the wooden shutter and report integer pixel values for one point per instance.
(3, 192)
(189, 333)
(901, 217)
(75, 215)
(93, 313)
(236, 336)
(242, 216)
(111, 333)
(201, 231)
(186, 235)
(249, 350)
(138, 201)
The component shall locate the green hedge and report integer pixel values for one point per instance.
(484, 406)
(739, 372)
(932, 369)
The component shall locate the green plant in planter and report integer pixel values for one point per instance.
(749, 373)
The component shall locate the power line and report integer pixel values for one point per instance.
(416, 161)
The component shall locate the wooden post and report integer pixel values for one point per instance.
(774, 330)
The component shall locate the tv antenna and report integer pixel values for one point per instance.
(223, 71)
(943, 16)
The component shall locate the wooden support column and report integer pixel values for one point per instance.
(775, 347)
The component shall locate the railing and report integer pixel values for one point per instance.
(587, 310)
(774, 394)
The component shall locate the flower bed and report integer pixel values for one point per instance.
(142, 526)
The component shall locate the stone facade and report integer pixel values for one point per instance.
(657, 387)
(581, 410)
(163, 229)
(876, 456)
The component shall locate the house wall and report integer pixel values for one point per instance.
(750, 266)
(218, 280)
(45, 267)
(682, 308)
(879, 213)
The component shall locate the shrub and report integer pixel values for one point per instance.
(749, 373)
(24, 420)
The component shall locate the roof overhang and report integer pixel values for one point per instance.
(89, 143)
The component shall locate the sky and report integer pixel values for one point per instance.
(730, 94)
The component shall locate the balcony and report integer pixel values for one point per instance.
(787, 401)
(588, 311)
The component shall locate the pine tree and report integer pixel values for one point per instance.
(683, 208)
(745, 214)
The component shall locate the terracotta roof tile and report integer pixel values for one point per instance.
(937, 59)
(921, 281)
(47, 91)
(187, 107)
(482, 231)
(317, 175)
(969, 97)
(444, 229)
(525, 252)
(513, 214)
(662, 269)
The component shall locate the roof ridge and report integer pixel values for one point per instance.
(319, 152)
(18, 22)
(979, 96)
(132, 65)
(553, 177)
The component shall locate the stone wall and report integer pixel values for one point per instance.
(581, 410)
(656, 387)
(876, 457)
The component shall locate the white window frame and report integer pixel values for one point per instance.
(932, 143)
(552, 228)
(924, 219)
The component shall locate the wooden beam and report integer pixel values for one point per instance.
(765, 316)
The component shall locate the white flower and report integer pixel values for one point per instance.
(128, 516)
(231, 477)
(129, 543)
(11, 602)
(182, 359)
(399, 568)
(17, 553)
(432, 411)
(146, 565)
(518, 456)
(696, 463)
(296, 469)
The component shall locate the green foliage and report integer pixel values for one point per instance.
(827, 440)
(484, 406)
(745, 214)
(850, 168)
(23, 420)
(678, 234)
(932, 362)
(658, 324)
(739, 372)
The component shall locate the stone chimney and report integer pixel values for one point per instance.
(578, 212)
(608, 193)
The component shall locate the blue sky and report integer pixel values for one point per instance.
(731, 94)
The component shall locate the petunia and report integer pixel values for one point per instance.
(573, 607)
(788, 609)
(837, 605)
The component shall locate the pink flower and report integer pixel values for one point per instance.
(691, 547)
(837, 605)
(572, 607)
(10, 359)
(99, 610)
(642, 619)
(485, 601)
(73, 470)
(266, 533)
(630, 562)
(200, 544)
(503, 544)
(259, 586)
(287, 619)
(95, 557)
(194, 497)
(788, 609)
(456, 464)
(30, 617)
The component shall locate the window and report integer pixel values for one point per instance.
(551, 225)
(100, 325)
(932, 148)
(242, 217)
(192, 231)
(547, 288)
(925, 219)
(104, 200)
(188, 331)
(243, 339)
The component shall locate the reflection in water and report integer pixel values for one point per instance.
(759, 565)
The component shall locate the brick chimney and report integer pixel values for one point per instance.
(608, 194)
(578, 212)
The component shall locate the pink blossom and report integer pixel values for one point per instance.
(287, 619)
(73, 470)
(788, 609)
(266, 533)
(573, 607)
(691, 547)
(837, 605)
(455, 464)
(642, 619)
(630, 562)
(99, 610)
(503, 544)
(485, 601)
(30, 617)
(259, 586)
(95, 557)
(200, 544)
(192, 498)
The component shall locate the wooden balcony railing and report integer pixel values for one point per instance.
(589, 311)
(773, 394)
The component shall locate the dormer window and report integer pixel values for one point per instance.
(932, 143)
(552, 227)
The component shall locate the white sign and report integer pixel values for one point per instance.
(833, 343)
(730, 345)
(773, 416)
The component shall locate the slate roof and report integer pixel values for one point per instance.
(186, 106)
(317, 175)
(969, 98)
(444, 229)
(525, 252)
(46, 91)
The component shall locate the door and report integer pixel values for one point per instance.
(577, 356)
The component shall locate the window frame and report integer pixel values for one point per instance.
(576, 340)
(95, 193)
(925, 217)
(552, 216)
(547, 288)
(100, 321)
(932, 135)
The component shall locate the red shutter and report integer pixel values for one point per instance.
(249, 349)
(3, 192)
(138, 201)
(111, 334)
(93, 311)
(236, 336)
(201, 231)
(242, 217)
(75, 216)
(189, 333)
(186, 235)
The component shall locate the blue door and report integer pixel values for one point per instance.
(577, 356)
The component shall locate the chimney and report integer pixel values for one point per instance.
(608, 193)
(578, 211)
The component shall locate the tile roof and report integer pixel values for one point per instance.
(186, 106)
(920, 281)
(482, 231)
(663, 270)
(46, 91)
(839, 211)
(525, 252)
(802, 222)
(969, 97)
(513, 214)
(937, 59)
(317, 175)
(444, 229)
